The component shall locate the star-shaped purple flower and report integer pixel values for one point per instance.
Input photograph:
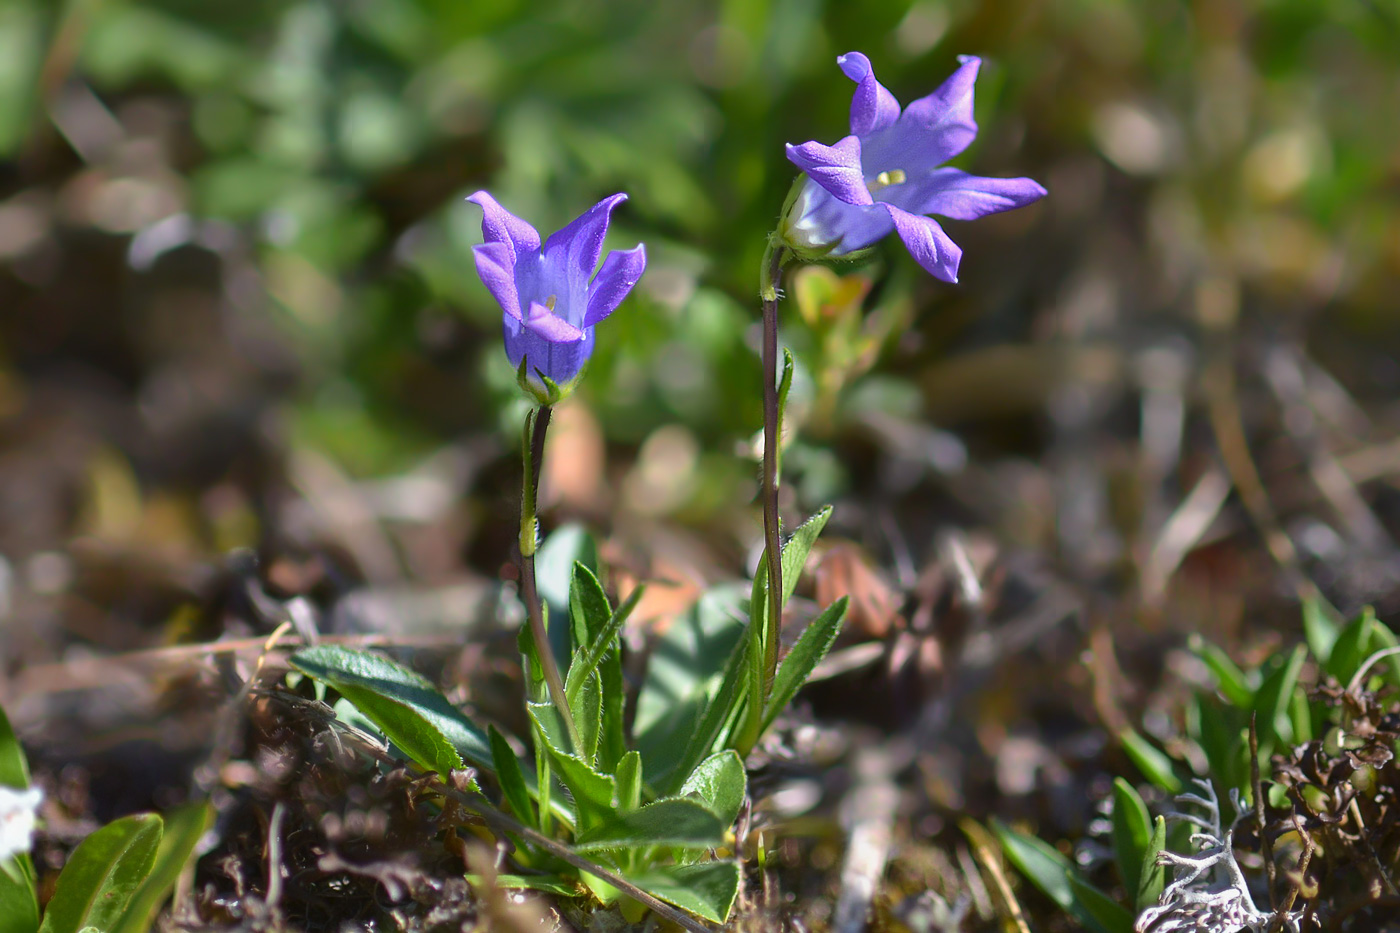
(886, 175)
(549, 297)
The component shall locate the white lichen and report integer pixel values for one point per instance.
(1209, 893)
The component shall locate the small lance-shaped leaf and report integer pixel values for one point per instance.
(671, 821)
(403, 704)
(545, 884)
(594, 793)
(1319, 628)
(19, 898)
(587, 706)
(14, 766)
(1049, 871)
(1231, 680)
(102, 874)
(512, 778)
(1351, 648)
(719, 783)
(183, 828)
(794, 557)
(1151, 761)
(588, 660)
(784, 386)
(707, 890)
(1274, 696)
(601, 653)
(629, 781)
(1151, 875)
(1132, 833)
(1300, 718)
(589, 608)
(806, 654)
(1108, 913)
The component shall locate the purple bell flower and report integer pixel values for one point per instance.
(549, 297)
(886, 175)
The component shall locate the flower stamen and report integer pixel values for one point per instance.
(885, 180)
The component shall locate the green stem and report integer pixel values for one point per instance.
(772, 450)
(536, 425)
(764, 660)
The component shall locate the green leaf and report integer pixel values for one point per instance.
(1150, 760)
(811, 646)
(1352, 647)
(1383, 637)
(683, 672)
(1220, 730)
(1053, 874)
(184, 826)
(671, 821)
(23, 36)
(795, 553)
(1231, 681)
(720, 783)
(546, 884)
(102, 874)
(403, 704)
(1132, 833)
(587, 706)
(1320, 629)
(512, 778)
(594, 793)
(19, 898)
(14, 766)
(629, 781)
(707, 890)
(1152, 876)
(599, 625)
(589, 609)
(1300, 717)
(1106, 912)
(1274, 696)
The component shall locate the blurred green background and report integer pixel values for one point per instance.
(224, 222)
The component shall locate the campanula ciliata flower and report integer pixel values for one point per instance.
(888, 175)
(548, 294)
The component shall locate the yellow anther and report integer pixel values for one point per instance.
(549, 302)
(888, 179)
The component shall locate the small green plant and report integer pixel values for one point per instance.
(115, 880)
(648, 805)
(1302, 747)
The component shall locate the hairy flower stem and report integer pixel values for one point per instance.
(763, 640)
(536, 426)
(772, 447)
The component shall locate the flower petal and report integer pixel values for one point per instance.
(620, 272)
(495, 263)
(499, 225)
(946, 114)
(927, 243)
(953, 193)
(836, 168)
(872, 106)
(582, 240)
(559, 361)
(545, 323)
